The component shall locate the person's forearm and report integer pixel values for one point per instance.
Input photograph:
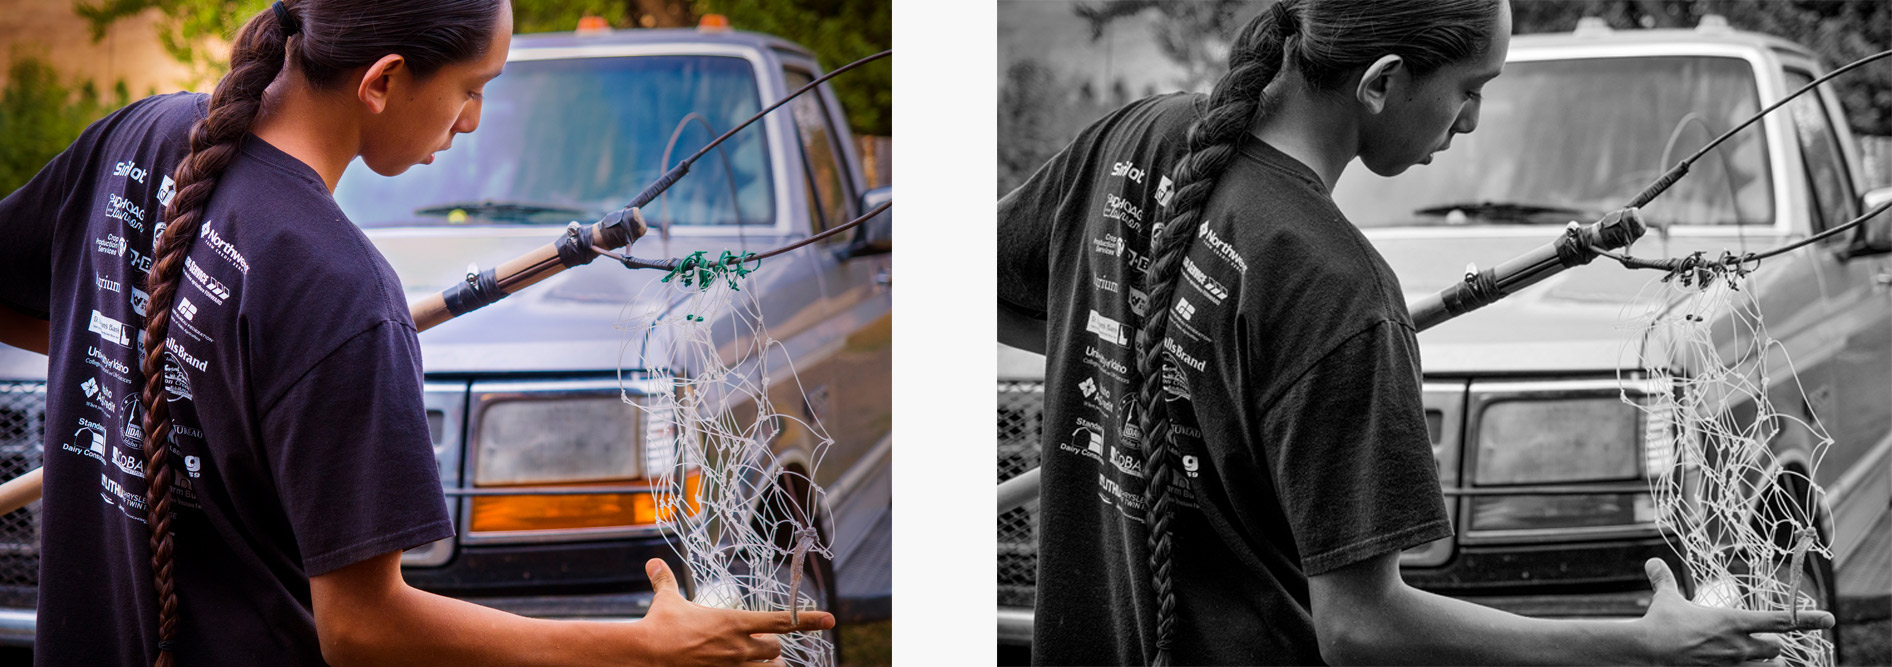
(23, 331)
(414, 627)
(1417, 627)
(1021, 331)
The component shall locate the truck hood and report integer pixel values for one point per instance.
(1570, 322)
(565, 323)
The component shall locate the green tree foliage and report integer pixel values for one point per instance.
(837, 31)
(41, 115)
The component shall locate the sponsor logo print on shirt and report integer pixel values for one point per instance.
(1118, 208)
(1200, 280)
(166, 190)
(226, 250)
(112, 244)
(1175, 384)
(109, 329)
(1127, 170)
(1184, 310)
(1105, 285)
(1191, 465)
(170, 345)
(127, 501)
(1129, 504)
(1088, 387)
(139, 299)
(1110, 244)
(1222, 248)
(120, 208)
(177, 383)
(1103, 362)
(134, 431)
(1126, 462)
(90, 387)
(98, 358)
(129, 168)
(106, 285)
(1087, 440)
(1165, 190)
(1139, 302)
(193, 465)
(88, 441)
(1131, 433)
(184, 308)
(1108, 329)
(1192, 362)
(203, 282)
(132, 466)
(1138, 261)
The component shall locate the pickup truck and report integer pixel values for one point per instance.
(1554, 522)
(524, 395)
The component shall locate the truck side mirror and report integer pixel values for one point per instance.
(1875, 236)
(875, 237)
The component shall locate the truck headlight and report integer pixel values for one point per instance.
(559, 441)
(1563, 440)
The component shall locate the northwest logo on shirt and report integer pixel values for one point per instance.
(1203, 283)
(1108, 329)
(1105, 285)
(1221, 247)
(1165, 190)
(1192, 362)
(139, 299)
(106, 285)
(109, 329)
(203, 282)
(1110, 244)
(1184, 310)
(166, 190)
(1127, 170)
(226, 250)
(1139, 302)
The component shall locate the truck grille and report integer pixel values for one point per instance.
(22, 431)
(1021, 426)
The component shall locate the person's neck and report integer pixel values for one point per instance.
(310, 127)
(1309, 128)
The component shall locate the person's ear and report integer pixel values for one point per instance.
(1380, 81)
(380, 80)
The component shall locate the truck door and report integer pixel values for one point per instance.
(1853, 404)
(854, 400)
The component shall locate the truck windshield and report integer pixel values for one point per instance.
(1561, 140)
(573, 139)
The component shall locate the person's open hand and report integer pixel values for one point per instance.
(683, 633)
(1679, 632)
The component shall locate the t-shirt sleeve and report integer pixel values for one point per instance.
(351, 454)
(1350, 454)
(1026, 217)
(29, 221)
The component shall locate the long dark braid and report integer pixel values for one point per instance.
(255, 60)
(1254, 59)
(1321, 41)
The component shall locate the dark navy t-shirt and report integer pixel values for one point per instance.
(293, 373)
(1293, 387)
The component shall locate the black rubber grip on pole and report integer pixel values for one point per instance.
(669, 178)
(1655, 189)
(476, 292)
(1479, 290)
(574, 247)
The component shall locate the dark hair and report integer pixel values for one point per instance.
(334, 37)
(1323, 41)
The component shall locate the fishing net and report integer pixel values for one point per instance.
(743, 522)
(1742, 520)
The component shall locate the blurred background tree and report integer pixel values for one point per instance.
(40, 115)
(838, 32)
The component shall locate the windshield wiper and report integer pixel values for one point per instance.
(498, 210)
(1502, 210)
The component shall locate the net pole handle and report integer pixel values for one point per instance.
(1575, 248)
(21, 491)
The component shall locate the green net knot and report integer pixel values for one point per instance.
(695, 271)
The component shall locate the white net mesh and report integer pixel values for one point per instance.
(1741, 518)
(743, 522)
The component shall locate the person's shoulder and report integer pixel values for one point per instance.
(167, 113)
